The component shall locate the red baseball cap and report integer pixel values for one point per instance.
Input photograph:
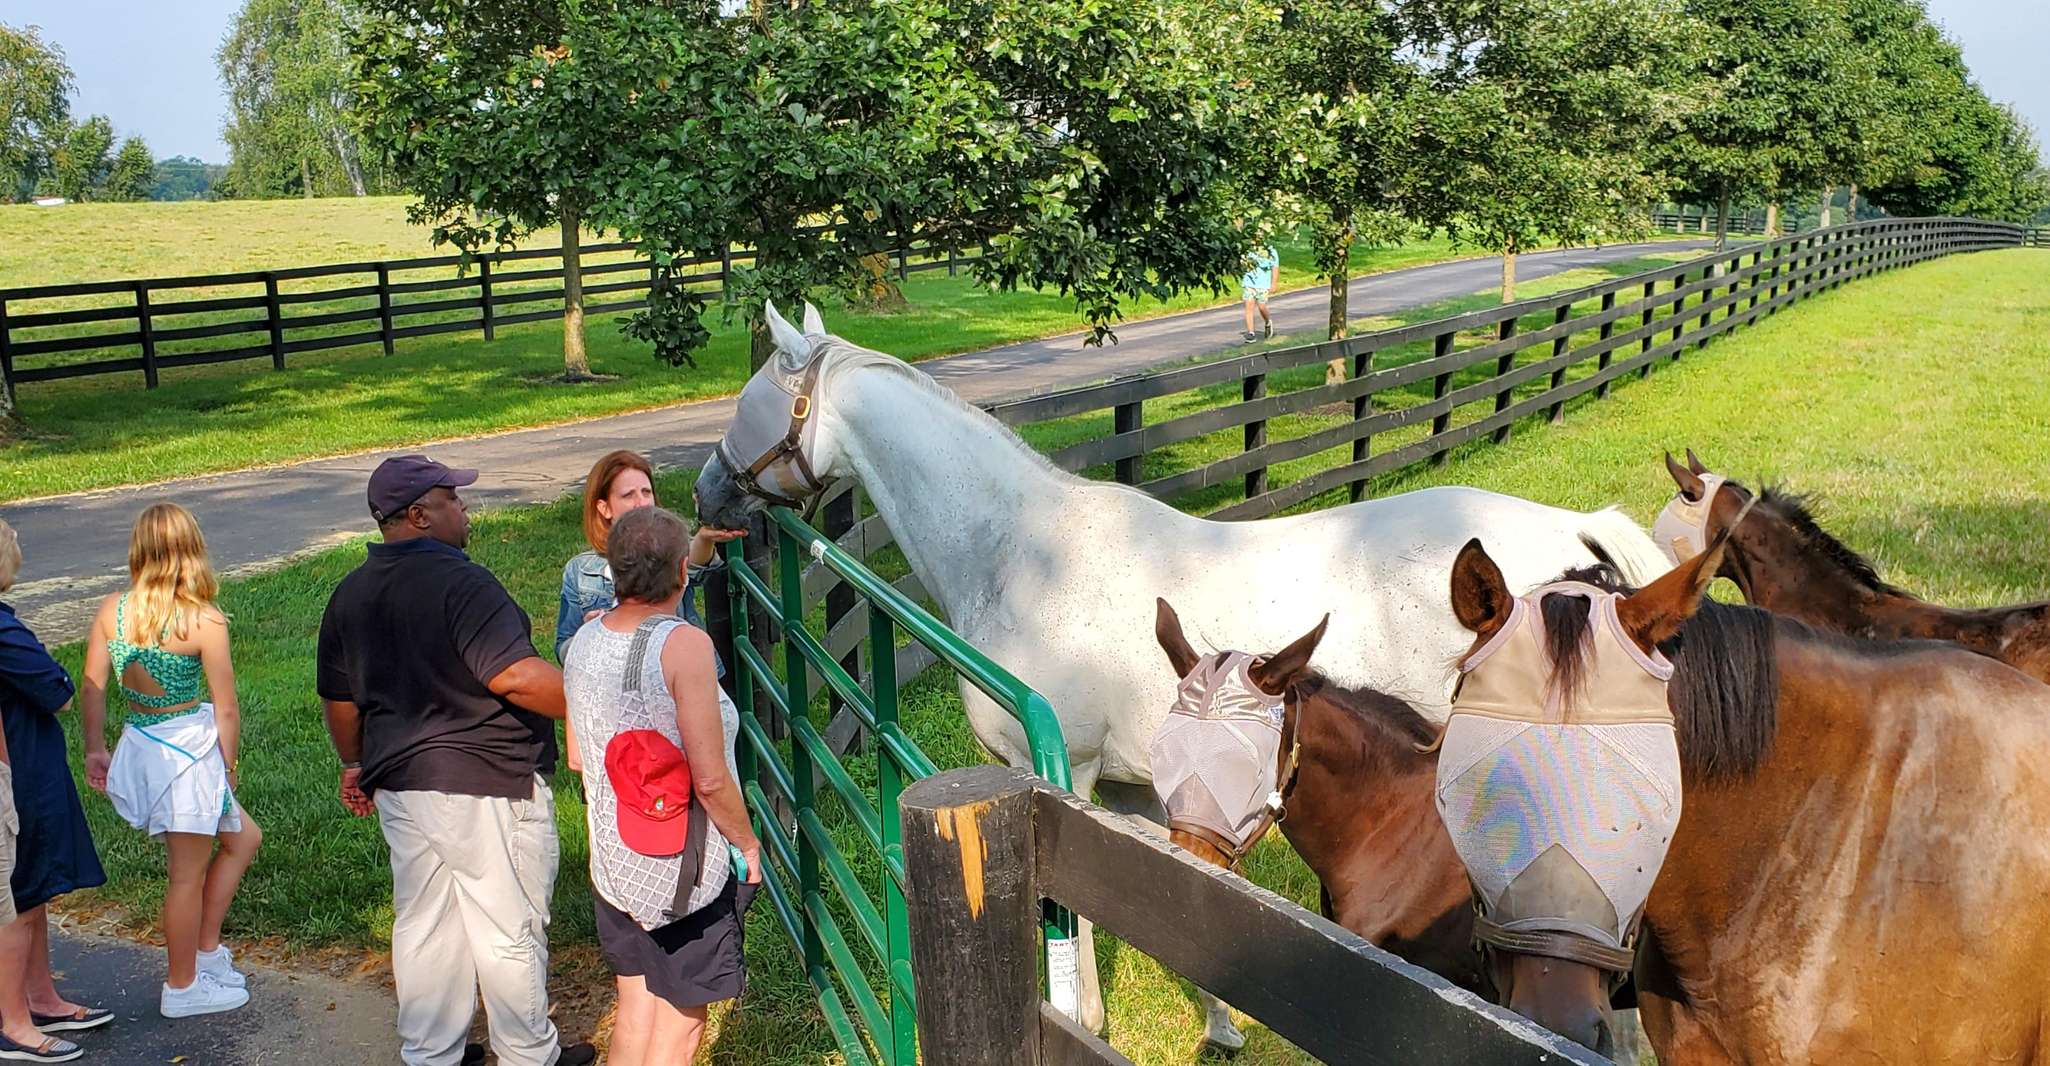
(651, 785)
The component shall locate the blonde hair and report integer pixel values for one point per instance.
(10, 556)
(171, 580)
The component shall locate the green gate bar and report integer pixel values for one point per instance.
(810, 855)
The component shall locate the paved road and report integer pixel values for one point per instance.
(76, 545)
(292, 1019)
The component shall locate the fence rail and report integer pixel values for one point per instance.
(784, 758)
(2038, 237)
(1683, 221)
(148, 325)
(984, 846)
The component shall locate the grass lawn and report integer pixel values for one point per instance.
(105, 431)
(1914, 402)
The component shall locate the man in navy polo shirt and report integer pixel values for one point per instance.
(442, 714)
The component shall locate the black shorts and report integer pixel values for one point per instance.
(692, 962)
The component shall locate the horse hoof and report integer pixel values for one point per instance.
(1224, 1042)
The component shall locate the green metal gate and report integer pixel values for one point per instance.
(797, 871)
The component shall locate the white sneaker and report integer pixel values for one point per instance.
(221, 963)
(205, 995)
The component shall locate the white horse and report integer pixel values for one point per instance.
(1054, 576)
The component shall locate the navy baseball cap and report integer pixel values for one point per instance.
(402, 479)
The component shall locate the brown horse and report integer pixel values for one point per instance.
(1857, 874)
(1786, 563)
(1359, 810)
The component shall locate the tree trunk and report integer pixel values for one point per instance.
(1509, 273)
(1851, 207)
(1338, 323)
(1828, 192)
(10, 419)
(576, 364)
(305, 179)
(353, 170)
(881, 293)
(1722, 221)
(1772, 219)
(1702, 227)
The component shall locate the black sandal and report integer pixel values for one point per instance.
(76, 1022)
(50, 1050)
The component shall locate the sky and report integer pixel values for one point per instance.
(149, 64)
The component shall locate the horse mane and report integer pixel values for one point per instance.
(1794, 507)
(1395, 721)
(848, 357)
(1725, 688)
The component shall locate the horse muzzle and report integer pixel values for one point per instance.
(719, 498)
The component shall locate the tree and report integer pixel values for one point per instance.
(35, 108)
(1089, 143)
(81, 164)
(1542, 116)
(292, 104)
(134, 172)
(1781, 82)
(185, 178)
(1341, 92)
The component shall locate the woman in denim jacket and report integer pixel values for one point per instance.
(620, 482)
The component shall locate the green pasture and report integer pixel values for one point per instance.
(1914, 403)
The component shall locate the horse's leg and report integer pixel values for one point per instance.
(1142, 804)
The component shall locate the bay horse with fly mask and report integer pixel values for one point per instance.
(1788, 564)
(1857, 871)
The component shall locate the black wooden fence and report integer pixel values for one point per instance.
(1412, 394)
(148, 325)
(983, 846)
(2039, 237)
(1703, 221)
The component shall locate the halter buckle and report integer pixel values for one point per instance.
(800, 407)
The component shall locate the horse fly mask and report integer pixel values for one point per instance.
(772, 426)
(1682, 528)
(1561, 804)
(1224, 758)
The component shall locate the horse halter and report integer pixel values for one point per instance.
(1681, 530)
(1224, 760)
(1561, 804)
(780, 392)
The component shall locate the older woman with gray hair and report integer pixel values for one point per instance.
(674, 860)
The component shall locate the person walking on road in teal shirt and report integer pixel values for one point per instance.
(1255, 286)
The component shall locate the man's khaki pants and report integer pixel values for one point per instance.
(471, 880)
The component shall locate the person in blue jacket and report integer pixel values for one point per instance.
(54, 851)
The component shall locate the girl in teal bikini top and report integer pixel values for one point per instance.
(178, 675)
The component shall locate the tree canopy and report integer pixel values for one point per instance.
(35, 108)
(1091, 144)
(292, 120)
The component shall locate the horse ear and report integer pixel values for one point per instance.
(1694, 463)
(1480, 595)
(813, 324)
(1690, 483)
(1167, 629)
(1275, 672)
(785, 335)
(1655, 613)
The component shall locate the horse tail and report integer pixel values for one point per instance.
(1615, 538)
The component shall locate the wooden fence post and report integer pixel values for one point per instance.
(1362, 408)
(1650, 290)
(1678, 303)
(1127, 418)
(1440, 348)
(904, 263)
(275, 313)
(953, 260)
(725, 265)
(490, 316)
(1253, 388)
(1608, 356)
(1503, 365)
(1558, 412)
(384, 307)
(968, 862)
(7, 360)
(836, 518)
(148, 332)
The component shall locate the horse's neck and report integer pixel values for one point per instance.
(1787, 575)
(1361, 816)
(1792, 577)
(1792, 830)
(957, 489)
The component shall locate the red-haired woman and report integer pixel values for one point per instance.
(622, 481)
